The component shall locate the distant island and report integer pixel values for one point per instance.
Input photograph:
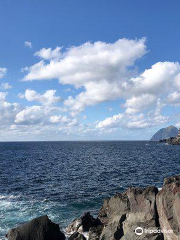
(165, 133)
(169, 135)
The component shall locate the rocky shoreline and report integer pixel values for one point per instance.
(171, 140)
(138, 213)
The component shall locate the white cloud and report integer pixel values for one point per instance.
(24, 69)
(25, 123)
(34, 115)
(102, 72)
(48, 53)
(8, 110)
(90, 62)
(97, 67)
(159, 79)
(59, 119)
(2, 72)
(47, 98)
(28, 44)
(107, 72)
(3, 96)
(5, 86)
(136, 121)
(44, 116)
(139, 103)
(174, 98)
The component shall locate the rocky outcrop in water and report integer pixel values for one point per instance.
(38, 229)
(136, 214)
(83, 223)
(171, 141)
(165, 133)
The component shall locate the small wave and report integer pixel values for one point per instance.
(2, 197)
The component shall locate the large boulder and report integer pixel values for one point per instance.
(129, 210)
(143, 214)
(83, 223)
(116, 209)
(40, 228)
(95, 232)
(168, 206)
(77, 236)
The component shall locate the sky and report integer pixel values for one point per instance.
(88, 70)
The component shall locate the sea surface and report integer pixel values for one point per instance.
(65, 179)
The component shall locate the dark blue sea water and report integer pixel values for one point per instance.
(64, 179)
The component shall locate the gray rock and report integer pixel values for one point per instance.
(168, 206)
(126, 211)
(77, 236)
(104, 212)
(95, 232)
(114, 229)
(83, 223)
(40, 228)
(142, 212)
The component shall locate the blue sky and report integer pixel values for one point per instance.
(116, 77)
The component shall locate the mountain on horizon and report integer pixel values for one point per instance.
(164, 133)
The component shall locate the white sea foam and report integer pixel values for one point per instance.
(14, 211)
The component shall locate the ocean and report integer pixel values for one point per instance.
(65, 179)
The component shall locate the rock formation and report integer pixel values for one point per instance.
(83, 223)
(168, 206)
(127, 211)
(77, 236)
(38, 229)
(171, 141)
(136, 214)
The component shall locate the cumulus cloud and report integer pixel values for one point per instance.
(28, 44)
(139, 103)
(8, 110)
(25, 123)
(97, 67)
(105, 72)
(34, 115)
(138, 121)
(89, 61)
(45, 116)
(5, 86)
(174, 98)
(59, 119)
(159, 79)
(48, 53)
(2, 72)
(46, 98)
